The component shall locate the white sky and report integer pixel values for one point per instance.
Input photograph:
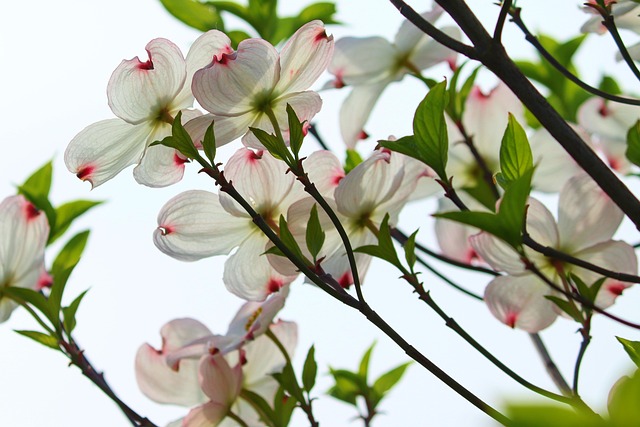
(56, 59)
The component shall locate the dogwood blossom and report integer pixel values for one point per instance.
(211, 382)
(243, 87)
(145, 96)
(609, 122)
(24, 231)
(370, 64)
(587, 220)
(198, 224)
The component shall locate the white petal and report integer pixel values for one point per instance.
(337, 263)
(161, 166)
(264, 357)
(362, 60)
(232, 85)
(207, 415)
(101, 150)
(356, 109)
(254, 318)
(304, 57)
(139, 91)
(194, 225)
(497, 253)
(428, 52)
(586, 215)
(409, 35)
(219, 381)
(325, 171)
(203, 51)
(519, 302)
(540, 224)
(226, 129)
(248, 274)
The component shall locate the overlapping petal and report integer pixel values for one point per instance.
(359, 60)
(356, 109)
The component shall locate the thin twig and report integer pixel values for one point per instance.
(502, 17)
(550, 366)
(533, 40)
(313, 131)
(586, 339)
(610, 24)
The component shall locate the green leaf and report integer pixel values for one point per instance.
(179, 139)
(387, 380)
(632, 348)
(566, 307)
(41, 201)
(384, 249)
(44, 339)
(288, 239)
(39, 183)
(260, 405)
(609, 85)
(348, 386)
(195, 14)
(283, 406)
(410, 250)
(310, 370)
(550, 416)
(624, 410)
(69, 212)
(273, 145)
(237, 36)
(209, 144)
(287, 379)
(69, 313)
(353, 159)
(34, 298)
(296, 135)
(232, 7)
(63, 265)
(512, 210)
(315, 235)
(633, 144)
(515, 153)
(323, 11)
(363, 369)
(430, 129)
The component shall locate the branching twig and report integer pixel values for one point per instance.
(550, 366)
(502, 17)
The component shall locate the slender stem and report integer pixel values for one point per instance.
(314, 131)
(550, 366)
(428, 28)
(401, 238)
(610, 24)
(502, 17)
(447, 280)
(556, 254)
(35, 315)
(78, 358)
(586, 339)
(237, 419)
(533, 40)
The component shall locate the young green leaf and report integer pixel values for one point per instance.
(384, 249)
(44, 339)
(348, 386)
(261, 406)
(288, 239)
(209, 144)
(552, 416)
(296, 134)
(387, 380)
(195, 14)
(515, 153)
(623, 402)
(310, 370)
(566, 307)
(69, 212)
(273, 145)
(34, 298)
(179, 139)
(513, 208)
(410, 250)
(287, 379)
(363, 369)
(315, 235)
(353, 159)
(39, 183)
(633, 144)
(632, 348)
(69, 313)
(63, 265)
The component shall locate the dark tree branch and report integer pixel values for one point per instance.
(502, 17)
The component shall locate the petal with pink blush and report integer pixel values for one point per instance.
(248, 274)
(229, 86)
(254, 318)
(139, 91)
(497, 253)
(208, 415)
(101, 150)
(519, 302)
(586, 215)
(325, 171)
(161, 166)
(304, 58)
(219, 381)
(193, 225)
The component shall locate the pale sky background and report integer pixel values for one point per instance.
(56, 59)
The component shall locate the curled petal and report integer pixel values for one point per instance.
(219, 381)
(101, 150)
(304, 57)
(139, 91)
(586, 214)
(230, 86)
(497, 253)
(254, 318)
(540, 224)
(519, 302)
(194, 225)
(428, 52)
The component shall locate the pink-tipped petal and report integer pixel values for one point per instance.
(304, 58)
(193, 225)
(228, 87)
(101, 150)
(519, 302)
(325, 171)
(139, 91)
(219, 381)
